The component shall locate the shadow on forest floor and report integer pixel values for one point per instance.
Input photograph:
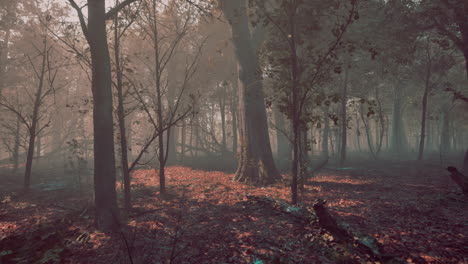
(414, 211)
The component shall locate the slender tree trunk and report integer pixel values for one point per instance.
(283, 146)
(16, 145)
(106, 210)
(445, 132)
(423, 120)
(121, 119)
(38, 146)
(32, 129)
(183, 139)
(344, 124)
(297, 162)
(398, 137)
(171, 98)
(222, 108)
(256, 165)
(4, 45)
(368, 132)
(326, 133)
(233, 109)
(358, 132)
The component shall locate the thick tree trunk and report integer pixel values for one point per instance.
(256, 165)
(106, 211)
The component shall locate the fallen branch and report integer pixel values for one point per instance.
(364, 245)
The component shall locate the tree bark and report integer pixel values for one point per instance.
(16, 145)
(445, 131)
(283, 146)
(326, 132)
(121, 119)
(38, 147)
(423, 121)
(32, 129)
(233, 109)
(256, 165)
(106, 211)
(398, 137)
(344, 123)
(222, 108)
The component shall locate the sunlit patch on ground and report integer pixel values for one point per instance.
(413, 217)
(341, 180)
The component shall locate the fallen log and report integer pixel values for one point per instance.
(365, 245)
(460, 179)
(329, 223)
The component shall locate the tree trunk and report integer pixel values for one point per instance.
(256, 165)
(38, 146)
(32, 129)
(121, 120)
(283, 146)
(4, 45)
(344, 123)
(17, 145)
(445, 131)
(368, 132)
(424, 106)
(182, 141)
(106, 211)
(222, 109)
(423, 123)
(398, 137)
(326, 133)
(233, 109)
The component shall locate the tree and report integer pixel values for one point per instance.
(449, 18)
(120, 28)
(255, 164)
(106, 211)
(166, 111)
(289, 61)
(45, 74)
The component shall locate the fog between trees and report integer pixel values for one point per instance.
(272, 91)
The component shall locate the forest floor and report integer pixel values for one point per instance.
(412, 209)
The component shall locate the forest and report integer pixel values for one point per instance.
(233, 131)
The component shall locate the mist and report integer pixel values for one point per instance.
(233, 131)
